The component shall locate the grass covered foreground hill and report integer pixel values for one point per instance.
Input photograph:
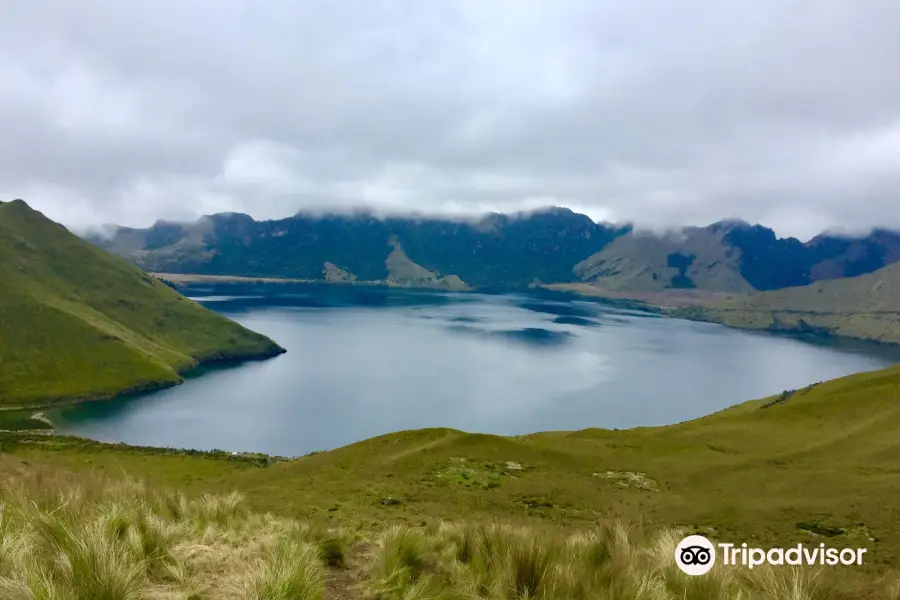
(97, 539)
(77, 322)
(813, 465)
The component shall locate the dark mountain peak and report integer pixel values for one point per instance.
(360, 214)
(551, 213)
(730, 224)
(738, 229)
(490, 222)
(849, 235)
(885, 235)
(552, 210)
(837, 233)
(553, 217)
(847, 254)
(233, 217)
(166, 224)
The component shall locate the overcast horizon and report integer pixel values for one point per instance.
(778, 112)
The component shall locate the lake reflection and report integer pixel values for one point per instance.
(364, 361)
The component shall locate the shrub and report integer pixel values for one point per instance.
(293, 572)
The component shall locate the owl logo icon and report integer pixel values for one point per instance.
(695, 555)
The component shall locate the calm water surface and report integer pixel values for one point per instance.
(362, 362)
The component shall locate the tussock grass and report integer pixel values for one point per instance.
(97, 539)
(610, 562)
(332, 545)
(401, 565)
(293, 572)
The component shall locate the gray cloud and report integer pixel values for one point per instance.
(778, 111)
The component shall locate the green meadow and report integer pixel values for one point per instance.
(812, 465)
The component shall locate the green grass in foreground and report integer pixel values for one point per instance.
(814, 464)
(78, 322)
(65, 537)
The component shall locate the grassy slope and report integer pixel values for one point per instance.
(824, 458)
(867, 306)
(641, 263)
(94, 538)
(864, 307)
(78, 322)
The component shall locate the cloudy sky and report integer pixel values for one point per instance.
(664, 113)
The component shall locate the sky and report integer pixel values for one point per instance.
(662, 113)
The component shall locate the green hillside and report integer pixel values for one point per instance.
(68, 536)
(864, 307)
(808, 465)
(78, 322)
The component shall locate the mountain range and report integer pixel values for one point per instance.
(554, 245)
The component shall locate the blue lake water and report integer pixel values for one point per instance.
(365, 361)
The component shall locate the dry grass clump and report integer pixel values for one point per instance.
(332, 545)
(96, 539)
(292, 572)
(611, 562)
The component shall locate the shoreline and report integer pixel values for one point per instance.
(643, 430)
(693, 306)
(686, 304)
(184, 279)
(143, 388)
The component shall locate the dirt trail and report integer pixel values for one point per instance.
(345, 583)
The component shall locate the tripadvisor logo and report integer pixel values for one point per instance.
(696, 555)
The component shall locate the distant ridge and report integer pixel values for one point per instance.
(863, 307)
(551, 245)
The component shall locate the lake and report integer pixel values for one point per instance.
(367, 361)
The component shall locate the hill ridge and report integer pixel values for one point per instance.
(79, 323)
(550, 245)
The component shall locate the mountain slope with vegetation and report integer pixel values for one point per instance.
(732, 256)
(499, 250)
(77, 322)
(694, 257)
(549, 246)
(864, 307)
